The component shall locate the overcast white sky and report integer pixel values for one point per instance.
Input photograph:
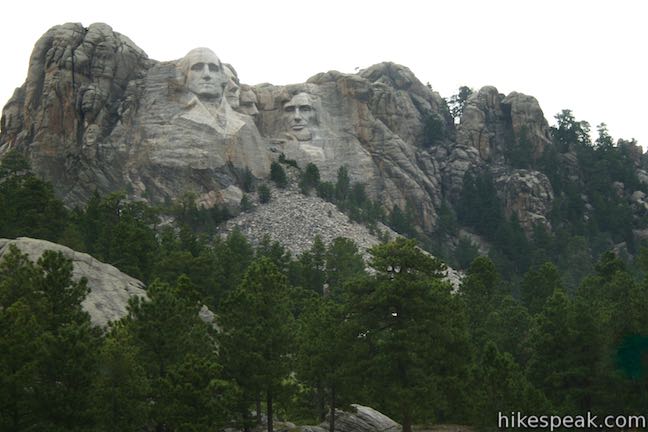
(588, 56)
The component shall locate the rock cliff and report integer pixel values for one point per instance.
(110, 289)
(95, 113)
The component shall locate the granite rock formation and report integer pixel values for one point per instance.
(359, 419)
(95, 113)
(110, 289)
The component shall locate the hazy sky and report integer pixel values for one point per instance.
(588, 56)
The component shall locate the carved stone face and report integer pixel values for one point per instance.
(248, 103)
(300, 116)
(232, 88)
(204, 75)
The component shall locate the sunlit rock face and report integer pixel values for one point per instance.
(95, 113)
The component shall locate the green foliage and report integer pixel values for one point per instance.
(264, 194)
(569, 132)
(457, 102)
(349, 198)
(479, 206)
(47, 343)
(28, 206)
(257, 334)
(343, 264)
(246, 204)
(413, 331)
(310, 179)
(310, 270)
(343, 184)
(326, 191)
(402, 221)
(248, 181)
(278, 175)
(199, 219)
(520, 154)
(433, 130)
(120, 233)
(466, 252)
(289, 162)
(14, 164)
(502, 387)
(538, 285)
(448, 224)
(121, 386)
(324, 357)
(178, 352)
(480, 291)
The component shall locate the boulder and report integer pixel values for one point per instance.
(363, 419)
(110, 289)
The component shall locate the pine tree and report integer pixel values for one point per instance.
(414, 329)
(343, 263)
(278, 175)
(325, 345)
(257, 333)
(179, 354)
(47, 377)
(500, 386)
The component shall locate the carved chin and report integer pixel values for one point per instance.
(303, 134)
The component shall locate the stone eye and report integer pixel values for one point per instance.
(197, 67)
(305, 108)
(290, 108)
(213, 67)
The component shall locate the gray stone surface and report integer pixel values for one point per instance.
(96, 113)
(372, 123)
(294, 220)
(528, 195)
(110, 289)
(364, 419)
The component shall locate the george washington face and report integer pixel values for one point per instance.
(204, 75)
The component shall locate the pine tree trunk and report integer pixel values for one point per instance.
(269, 409)
(407, 421)
(258, 409)
(332, 421)
(321, 403)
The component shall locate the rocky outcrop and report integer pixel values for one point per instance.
(527, 122)
(359, 419)
(494, 124)
(364, 419)
(493, 130)
(110, 289)
(95, 113)
(70, 102)
(372, 123)
(483, 124)
(528, 195)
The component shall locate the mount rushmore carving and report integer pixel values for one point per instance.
(95, 113)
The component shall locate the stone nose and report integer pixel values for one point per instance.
(297, 115)
(205, 73)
